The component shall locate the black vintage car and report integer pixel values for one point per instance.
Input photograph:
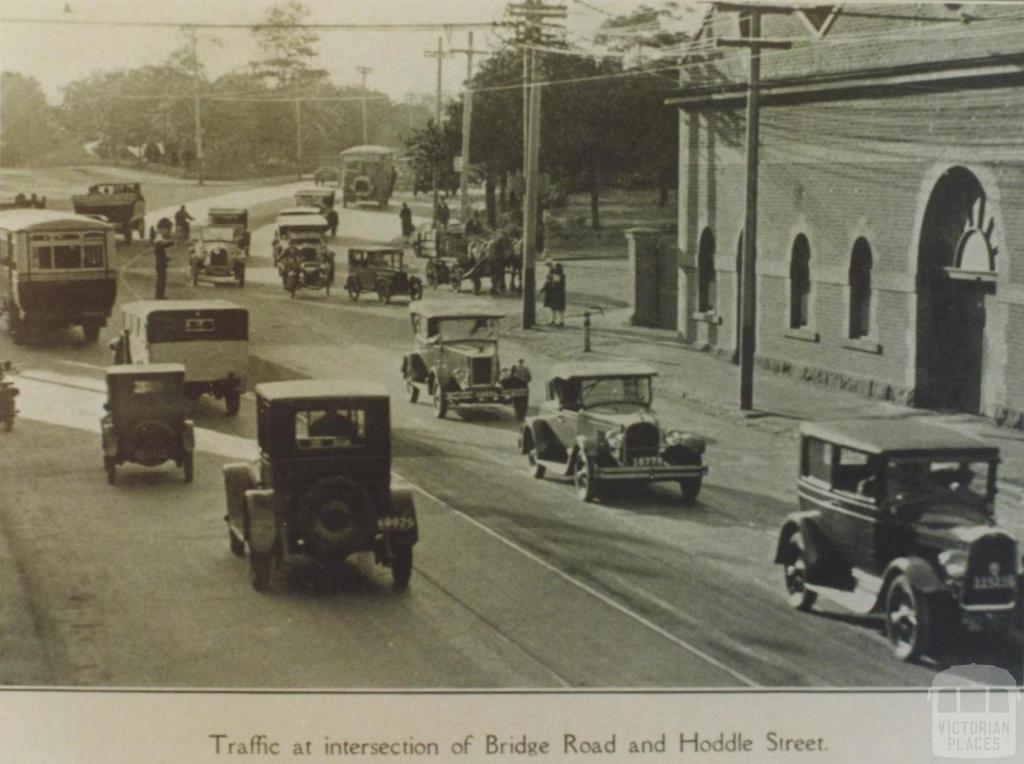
(322, 485)
(380, 270)
(896, 519)
(145, 421)
(120, 204)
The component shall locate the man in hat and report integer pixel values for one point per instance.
(162, 241)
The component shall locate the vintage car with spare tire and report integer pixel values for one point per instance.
(145, 420)
(321, 486)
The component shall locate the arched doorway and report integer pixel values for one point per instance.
(957, 268)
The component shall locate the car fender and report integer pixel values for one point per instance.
(440, 376)
(109, 438)
(238, 479)
(188, 435)
(808, 525)
(402, 505)
(921, 574)
(261, 519)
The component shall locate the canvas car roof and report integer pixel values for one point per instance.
(294, 220)
(591, 369)
(299, 389)
(368, 149)
(227, 211)
(453, 309)
(145, 307)
(878, 435)
(134, 369)
(41, 220)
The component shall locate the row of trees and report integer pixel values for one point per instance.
(605, 124)
(604, 119)
(249, 116)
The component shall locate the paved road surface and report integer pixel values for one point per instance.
(516, 582)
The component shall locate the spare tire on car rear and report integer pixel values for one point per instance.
(336, 517)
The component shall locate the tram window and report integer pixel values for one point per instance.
(43, 257)
(67, 256)
(93, 257)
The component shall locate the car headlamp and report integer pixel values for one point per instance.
(673, 437)
(461, 376)
(614, 439)
(954, 562)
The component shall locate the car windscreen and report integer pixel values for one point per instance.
(605, 390)
(217, 233)
(337, 426)
(939, 481)
(197, 326)
(455, 329)
(156, 386)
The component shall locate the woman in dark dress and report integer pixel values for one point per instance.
(554, 293)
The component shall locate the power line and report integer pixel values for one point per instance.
(320, 26)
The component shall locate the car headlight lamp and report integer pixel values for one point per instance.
(954, 562)
(461, 376)
(614, 439)
(673, 437)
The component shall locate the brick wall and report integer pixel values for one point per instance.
(835, 172)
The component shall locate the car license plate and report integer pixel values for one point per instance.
(404, 523)
(994, 582)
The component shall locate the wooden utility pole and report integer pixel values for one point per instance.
(535, 16)
(467, 124)
(298, 138)
(440, 55)
(199, 121)
(530, 199)
(363, 71)
(748, 268)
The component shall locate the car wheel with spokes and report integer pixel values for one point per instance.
(583, 479)
(798, 595)
(533, 465)
(908, 619)
(440, 404)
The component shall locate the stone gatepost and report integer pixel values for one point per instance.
(643, 252)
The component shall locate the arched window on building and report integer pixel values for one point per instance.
(860, 289)
(706, 287)
(800, 283)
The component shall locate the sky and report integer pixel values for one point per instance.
(57, 55)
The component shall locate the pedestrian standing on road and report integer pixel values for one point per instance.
(162, 241)
(443, 213)
(405, 215)
(553, 292)
(521, 372)
(332, 221)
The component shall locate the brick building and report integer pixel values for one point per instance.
(890, 252)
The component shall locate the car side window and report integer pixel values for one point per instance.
(855, 472)
(817, 461)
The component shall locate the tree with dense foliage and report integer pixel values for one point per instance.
(27, 125)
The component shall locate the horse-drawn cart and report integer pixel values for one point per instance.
(454, 258)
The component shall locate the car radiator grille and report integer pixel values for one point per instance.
(991, 569)
(219, 258)
(480, 371)
(641, 443)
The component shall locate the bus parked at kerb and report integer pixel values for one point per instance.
(55, 271)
